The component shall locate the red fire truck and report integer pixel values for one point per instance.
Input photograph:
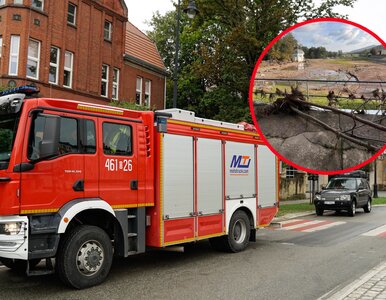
(81, 183)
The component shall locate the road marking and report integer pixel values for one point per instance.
(301, 225)
(380, 231)
(329, 225)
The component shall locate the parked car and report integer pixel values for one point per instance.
(345, 192)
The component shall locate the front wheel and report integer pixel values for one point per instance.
(367, 208)
(238, 235)
(85, 257)
(352, 209)
(319, 211)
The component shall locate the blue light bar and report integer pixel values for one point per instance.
(25, 89)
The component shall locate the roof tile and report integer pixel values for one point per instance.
(140, 46)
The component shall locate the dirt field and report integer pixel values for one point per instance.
(349, 70)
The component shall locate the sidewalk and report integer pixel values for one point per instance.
(371, 285)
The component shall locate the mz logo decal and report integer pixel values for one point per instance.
(240, 165)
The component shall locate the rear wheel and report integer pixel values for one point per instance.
(352, 209)
(238, 235)
(319, 211)
(367, 208)
(85, 257)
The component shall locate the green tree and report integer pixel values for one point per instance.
(284, 48)
(220, 47)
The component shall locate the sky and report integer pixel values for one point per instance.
(369, 13)
(334, 36)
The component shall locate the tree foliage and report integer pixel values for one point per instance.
(220, 47)
(283, 49)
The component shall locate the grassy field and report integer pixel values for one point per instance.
(304, 207)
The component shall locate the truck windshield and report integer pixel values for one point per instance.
(342, 183)
(8, 126)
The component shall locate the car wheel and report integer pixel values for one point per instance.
(238, 235)
(319, 211)
(85, 257)
(367, 208)
(352, 209)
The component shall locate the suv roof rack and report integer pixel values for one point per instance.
(355, 174)
(27, 90)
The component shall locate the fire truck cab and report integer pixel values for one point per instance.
(81, 183)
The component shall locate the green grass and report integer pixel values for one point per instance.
(379, 201)
(294, 208)
(303, 207)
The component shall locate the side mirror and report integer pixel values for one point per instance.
(323, 187)
(49, 146)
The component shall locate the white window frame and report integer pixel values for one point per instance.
(138, 90)
(68, 13)
(105, 80)
(69, 69)
(2, 2)
(40, 8)
(20, 2)
(116, 84)
(14, 38)
(35, 59)
(110, 31)
(148, 93)
(55, 65)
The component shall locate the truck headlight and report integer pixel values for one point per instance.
(345, 197)
(12, 228)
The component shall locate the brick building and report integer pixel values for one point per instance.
(79, 49)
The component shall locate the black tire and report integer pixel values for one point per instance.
(238, 235)
(319, 211)
(352, 209)
(19, 265)
(367, 208)
(74, 259)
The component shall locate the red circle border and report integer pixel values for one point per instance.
(252, 83)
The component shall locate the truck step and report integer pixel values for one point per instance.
(131, 216)
(132, 235)
(131, 253)
(40, 272)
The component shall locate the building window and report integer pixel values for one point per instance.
(18, 1)
(105, 81)
(138, 96)
(68, 66)
(14, 55)
(54, 65)
(2, 2)
(147, 93)
(290, 172)
(39, 4)
(108, 30)
(115, 94)
(33, 59)
(71, 16)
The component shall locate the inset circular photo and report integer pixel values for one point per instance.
(318, 96)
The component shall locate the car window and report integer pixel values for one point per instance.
(117, 139)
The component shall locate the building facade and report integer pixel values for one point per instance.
(81, 50)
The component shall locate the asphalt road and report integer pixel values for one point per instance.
(286, 263)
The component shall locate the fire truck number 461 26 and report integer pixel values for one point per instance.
(114, 165)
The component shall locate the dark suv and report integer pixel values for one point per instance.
(345, 192)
